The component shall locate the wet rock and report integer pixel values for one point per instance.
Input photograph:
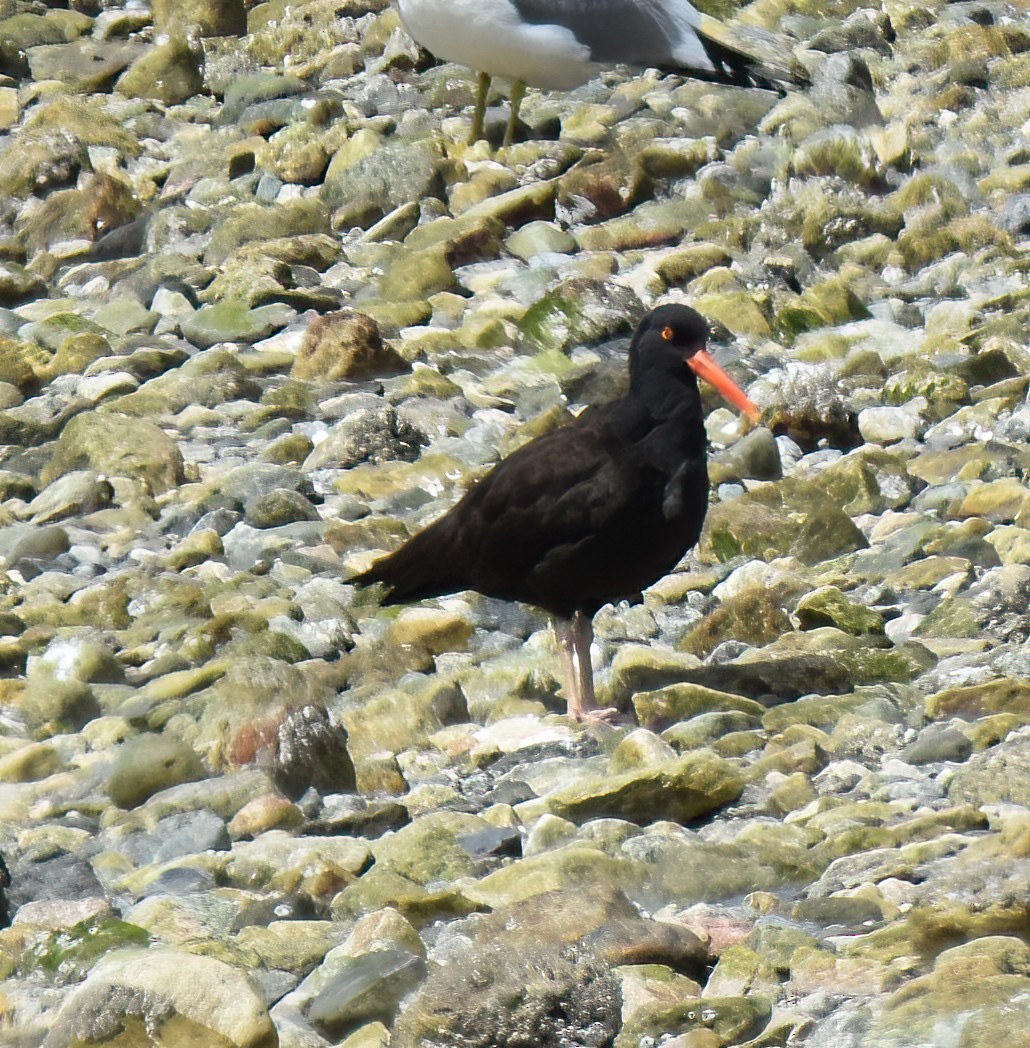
(31, 762)
(85, 65)
(995, 777)
(682, 702)
(278, 507)
(372, 432)
(564, 991)
(366, 178)
(938, 743)
(980, 700)
(995, 965)
(230, 321)
(579, 313)
(827, 606)
(75, 494)
(795, 519)
(311, 752)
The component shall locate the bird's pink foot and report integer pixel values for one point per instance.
(608, 715)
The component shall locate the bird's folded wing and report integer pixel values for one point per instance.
(556, 493)
(636, 32)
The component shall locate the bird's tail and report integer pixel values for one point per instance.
(749, 56)
(413, 572)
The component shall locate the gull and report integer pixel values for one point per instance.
(559, 44)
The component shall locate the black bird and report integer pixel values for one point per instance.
(589, 514)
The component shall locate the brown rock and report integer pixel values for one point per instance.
(345, 345)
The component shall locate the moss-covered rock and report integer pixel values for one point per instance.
(981, 700)
(203, 17)
(149, 763)
(827, 606)
(792, 518)
(579, 312)
(679, 790)
(118, 446)
(169, 73)
(682, 702)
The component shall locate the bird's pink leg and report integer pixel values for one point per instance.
(574, 639)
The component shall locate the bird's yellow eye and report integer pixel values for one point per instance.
(668, 334)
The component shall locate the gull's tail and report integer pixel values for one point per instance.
(747, 56)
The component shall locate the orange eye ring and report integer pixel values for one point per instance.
(668, 334)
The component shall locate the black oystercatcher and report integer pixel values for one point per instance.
(589, 514)
(560, 44)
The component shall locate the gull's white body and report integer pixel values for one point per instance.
(490, 36)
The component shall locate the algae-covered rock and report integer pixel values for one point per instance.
(33, 761)
(753, 615)
(118, 446)
(249, 222)
(367, 178)
(973, 985)
(981, 700)
(51, 706)
(827, 606)
(679, 790)
(682, 702)
(579, 312)
(234, 321)
(169, 73)
(518, 996)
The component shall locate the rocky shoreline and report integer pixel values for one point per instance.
(263, 313)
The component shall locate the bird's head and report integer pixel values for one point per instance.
(672, 336)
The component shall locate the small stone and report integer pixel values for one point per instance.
(270, 812)
(30, 763)
(887, 425)
(938, 742)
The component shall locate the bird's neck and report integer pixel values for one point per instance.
(667, 392)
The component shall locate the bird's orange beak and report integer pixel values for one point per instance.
(704, 367)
